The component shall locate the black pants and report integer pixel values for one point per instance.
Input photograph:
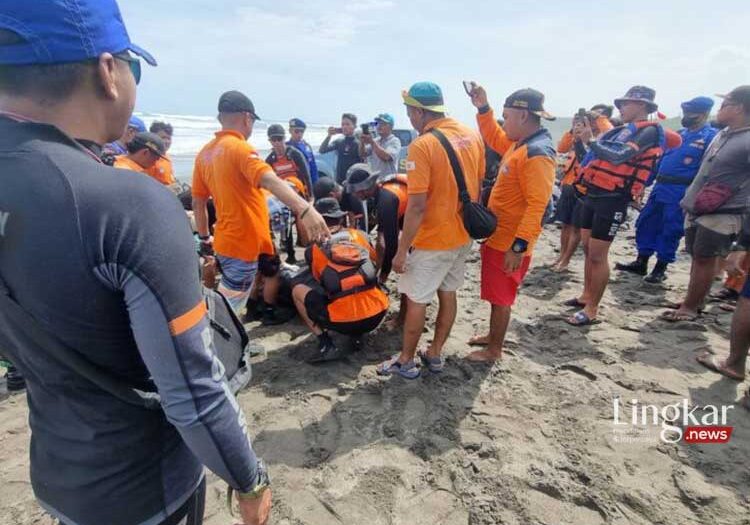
(191, 512)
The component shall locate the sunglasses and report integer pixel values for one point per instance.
(276, 139)
(134, 63)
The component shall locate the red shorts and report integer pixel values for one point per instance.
(500, 288)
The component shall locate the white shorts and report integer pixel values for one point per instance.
(428, 271)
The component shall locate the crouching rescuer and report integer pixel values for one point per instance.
(339, 291)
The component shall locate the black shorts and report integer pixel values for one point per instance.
(316, 305)
(566, 205)
(603, 216)
(705, 243)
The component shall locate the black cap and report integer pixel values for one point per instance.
(741, 95)
(236, 102)
(324, 186)
(149, 141)
(360, 177)
(329, 207)
(276, 130)
(529, 99)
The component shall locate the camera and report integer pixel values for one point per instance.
(366, 129)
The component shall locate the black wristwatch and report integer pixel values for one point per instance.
(519, 246)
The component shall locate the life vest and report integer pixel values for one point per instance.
(397, 184)
(343, 266)
(629, 177)
(286, 170)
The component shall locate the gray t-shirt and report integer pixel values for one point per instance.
(392, 145)
(727, 161)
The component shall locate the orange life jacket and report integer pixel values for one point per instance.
(397, 184)
(629, 177)
(286, 170)
(344, 268)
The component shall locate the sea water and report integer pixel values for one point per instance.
(192, 132)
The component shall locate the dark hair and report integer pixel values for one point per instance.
(604, 109)
(48, 83)
(158, 126)
(350, 116)
(334, 221)
(135, 146)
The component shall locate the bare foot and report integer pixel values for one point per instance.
(560, 268)
(479, 340)
(484, 356)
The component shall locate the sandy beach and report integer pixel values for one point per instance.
(530, 440)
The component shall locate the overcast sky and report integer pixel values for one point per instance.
(315, 59)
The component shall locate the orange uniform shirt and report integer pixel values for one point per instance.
(429, 171)
(358, 306)
(524, 184)
(122, 161)
(162, 171)
(229, 170)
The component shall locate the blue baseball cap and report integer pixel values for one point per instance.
(698, 105)
(61, 31)
(137, 124)
(425, 95)
(297, 123)
(387, 118)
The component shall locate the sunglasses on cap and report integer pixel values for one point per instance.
(133, 63)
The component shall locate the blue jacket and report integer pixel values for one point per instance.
(307, 151)
(682, 163)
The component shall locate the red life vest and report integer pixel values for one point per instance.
(629, 177)
(397, 184)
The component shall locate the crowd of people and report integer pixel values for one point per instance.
(125, 259)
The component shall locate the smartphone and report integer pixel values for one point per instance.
(338, 130)
(469, 86)
(365, 129)
(581, 113)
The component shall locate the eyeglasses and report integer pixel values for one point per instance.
(297, 130)
(276, 139)
(134, 63)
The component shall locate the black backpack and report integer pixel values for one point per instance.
(19, 332)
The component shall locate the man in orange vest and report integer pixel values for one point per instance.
(163, 170)
(340, 290)
(390, 197)
(143, 152)
(615, 172)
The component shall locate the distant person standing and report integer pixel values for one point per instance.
(229, 169)
(163, 170)
(382, 152)
(519, 199)
(143, 153)
(659, 227)
(120, 146)
(346, 147)
(297, 131)
(716, 201)
(434, 244)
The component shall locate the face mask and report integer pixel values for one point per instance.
(689, 122)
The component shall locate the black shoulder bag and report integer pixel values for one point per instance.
(479, 222)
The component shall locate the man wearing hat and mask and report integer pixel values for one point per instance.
(381, 152)
(660, 224)
(230, 170)
(143, 152)
(615, 172)
(390, 196)
(297, 132)
(125, 307)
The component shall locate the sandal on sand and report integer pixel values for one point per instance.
(725, 294)
(581, 318)
(674, 316)
(574, 303)
(433, 364)
(391, 367)
(715, 365)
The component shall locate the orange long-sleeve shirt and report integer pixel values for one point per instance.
(523, 186)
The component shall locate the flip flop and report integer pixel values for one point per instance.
(574, 303)
(433, 364)
(725, 294)
(581, 318)
(391, 367)
(673, 316)
(474, 341)
(709, 361)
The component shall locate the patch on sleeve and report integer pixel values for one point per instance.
(411, 165)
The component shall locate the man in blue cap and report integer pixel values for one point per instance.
(125, 312)
(297, 132)
(381, 152)
(120, 146)
(660, 225)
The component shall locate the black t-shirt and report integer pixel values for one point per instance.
(387, 205)
(347, 149)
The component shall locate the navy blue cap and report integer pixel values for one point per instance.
(296, 123)
(62, 31)
(698, 105)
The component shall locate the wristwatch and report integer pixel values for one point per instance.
(519, 246)
(262, 483)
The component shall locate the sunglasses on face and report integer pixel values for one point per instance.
(276, 139)
(133, 63)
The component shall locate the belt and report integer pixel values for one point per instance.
(668, 179)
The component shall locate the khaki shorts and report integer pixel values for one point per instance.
(428, 271)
